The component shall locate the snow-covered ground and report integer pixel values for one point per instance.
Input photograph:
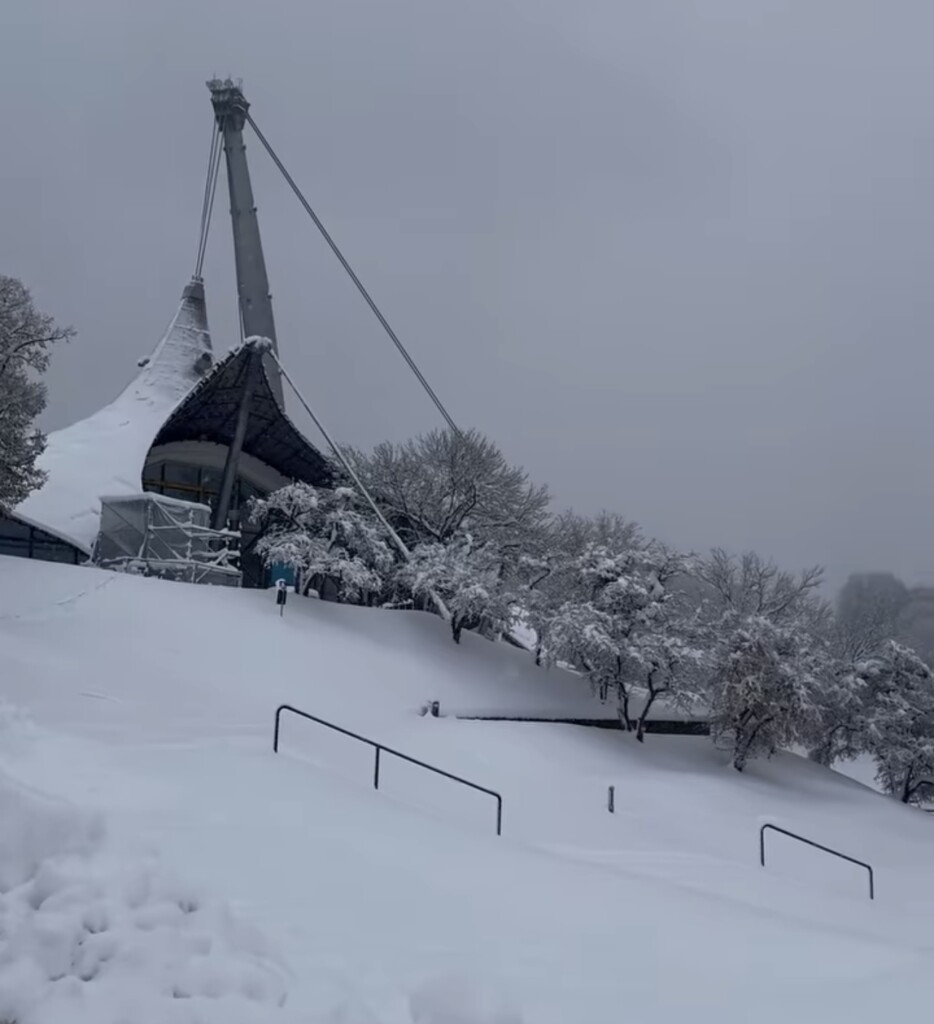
(158, 863)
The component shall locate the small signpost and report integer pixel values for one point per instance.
(282, 594)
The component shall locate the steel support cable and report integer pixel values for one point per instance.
(356, 280)
(352, 473)
(218, 159)
(207, 205)
(207, 224)
(207, 190)
(204, 200)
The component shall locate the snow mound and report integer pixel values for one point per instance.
(459, 999)
(88, 935)
(351, 1011)
(36, 828)
(17, 731)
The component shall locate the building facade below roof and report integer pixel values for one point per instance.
(23, 539)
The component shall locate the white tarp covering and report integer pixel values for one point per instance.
(155, 535)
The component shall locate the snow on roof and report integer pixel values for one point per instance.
(105, 453)
(19, 517)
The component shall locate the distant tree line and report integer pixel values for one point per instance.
(755, 649)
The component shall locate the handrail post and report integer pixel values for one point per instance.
(275, 735)
(376, 769)
(499, 815)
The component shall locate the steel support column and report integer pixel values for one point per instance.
(230, 109)
(222, 509)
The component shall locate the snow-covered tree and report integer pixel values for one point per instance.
(762, 685)
(916, 623)
(549, 572)
(619, 627)
(837, 730)
(442, 485)
(574, 533)
(327, 536)
(26, 337)
(469, 578)
(584, 637)
(547, 569)
(867, 619)
(750, 585)
(668, 661)
(867, 612)
(882, 705)
(771, 672)
(900, 724)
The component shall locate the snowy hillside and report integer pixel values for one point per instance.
(158, 863)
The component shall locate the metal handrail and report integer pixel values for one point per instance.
(818, 846)
(395, 753)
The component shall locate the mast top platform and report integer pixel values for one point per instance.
(229, 101)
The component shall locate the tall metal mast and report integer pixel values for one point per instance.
(230, 110)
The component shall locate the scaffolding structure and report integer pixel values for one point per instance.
(152, 535)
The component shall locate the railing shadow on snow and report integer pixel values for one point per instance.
(381, 748)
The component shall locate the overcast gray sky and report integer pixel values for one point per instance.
(675, 256)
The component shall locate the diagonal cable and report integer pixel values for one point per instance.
(205, 198)
(210, 190)
(356, 280)
(352, 473)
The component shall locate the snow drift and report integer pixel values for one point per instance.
(91, 933)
